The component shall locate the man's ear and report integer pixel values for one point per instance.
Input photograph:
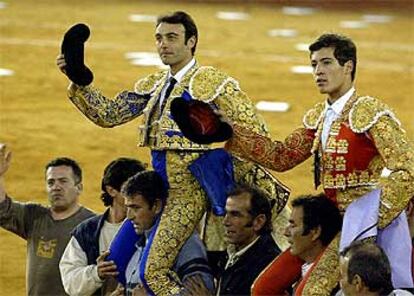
(157, 206)
(111, 191)
(191, 42)
(79, 186)
(357, 283)
(316, 233)
(349, 66)
(259, 222)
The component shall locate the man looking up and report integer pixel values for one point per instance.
(46, 229)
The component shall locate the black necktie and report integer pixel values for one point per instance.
(167, 93)
(170, 87)
(141, 241)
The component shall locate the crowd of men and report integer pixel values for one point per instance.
(353, 239)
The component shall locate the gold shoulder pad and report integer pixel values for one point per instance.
(366, 112)
(314, 116)
(150, 83)
(207, 84)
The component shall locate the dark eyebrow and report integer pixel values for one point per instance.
(322, 59)
(169, 34)
(325, 59)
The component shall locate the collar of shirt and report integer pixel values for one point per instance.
(306, 267)
(339, 104)
(146, 235)
(235, 255)
(180, 74)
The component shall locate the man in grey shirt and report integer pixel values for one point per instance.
(46, 229)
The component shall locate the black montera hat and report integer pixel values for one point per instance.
(198, 122)
(73, 50)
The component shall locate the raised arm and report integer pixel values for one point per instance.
(101, 110)
(5, 159)
(15, 217)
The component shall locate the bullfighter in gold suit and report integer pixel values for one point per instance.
(352, 138)
(172, 153)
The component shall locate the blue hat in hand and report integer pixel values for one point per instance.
(73, 50)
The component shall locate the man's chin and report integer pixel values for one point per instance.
(59, 207)
(166, 61)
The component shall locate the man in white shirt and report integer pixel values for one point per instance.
(352, 138)
(83, 268)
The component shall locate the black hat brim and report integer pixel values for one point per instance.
(180, 110)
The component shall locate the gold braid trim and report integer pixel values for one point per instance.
(150, 83)
(325, 275)
(398, 155)
(314, 116)
(366, 112)
(217, 81)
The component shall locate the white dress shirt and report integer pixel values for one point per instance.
(178, 77)
(332, 113)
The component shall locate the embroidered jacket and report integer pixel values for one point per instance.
(366, 138)
(159, 131)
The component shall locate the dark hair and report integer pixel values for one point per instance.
(259, 204)
(345, 49)
(149, 184)
(181, 17)
(318, 210)
(370, 262)
(116, 173)
(65, 161)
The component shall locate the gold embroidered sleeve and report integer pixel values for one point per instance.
(398, 154)
(107, 112)
(239, 108)
(276, 155)
(325, 276)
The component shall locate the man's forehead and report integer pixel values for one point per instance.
(167, 28)
(240, 202)
(323, 53)
(297, 214)
(136, 199)
(59, 171)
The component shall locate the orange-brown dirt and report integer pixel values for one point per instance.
(39, 123)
